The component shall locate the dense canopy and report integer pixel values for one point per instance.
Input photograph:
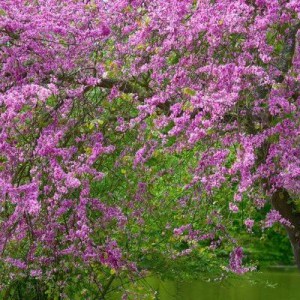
(88, 87)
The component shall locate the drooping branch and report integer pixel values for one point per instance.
(124, 86)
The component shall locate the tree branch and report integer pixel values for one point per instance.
(286, 57)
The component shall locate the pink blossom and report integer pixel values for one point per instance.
(233, 207)
(249, 223)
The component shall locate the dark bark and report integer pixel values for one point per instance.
(286, 58)
(281, 201)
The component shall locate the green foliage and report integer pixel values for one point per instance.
(148, 238)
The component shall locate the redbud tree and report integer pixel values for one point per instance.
(216, 78)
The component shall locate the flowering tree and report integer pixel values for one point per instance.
(217, 78)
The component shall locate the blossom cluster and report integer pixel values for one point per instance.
(221, 74)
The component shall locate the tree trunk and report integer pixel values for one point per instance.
(281, 201)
